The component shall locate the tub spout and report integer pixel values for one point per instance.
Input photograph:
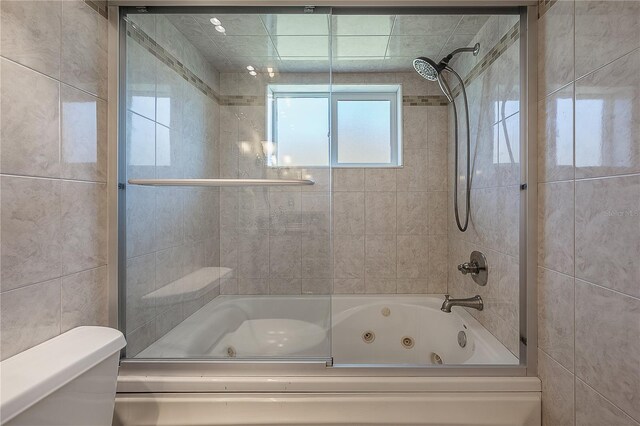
(474, 302)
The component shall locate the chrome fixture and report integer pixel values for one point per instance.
(474, 302)
(221, 182)
(476, 266)
(432, 71)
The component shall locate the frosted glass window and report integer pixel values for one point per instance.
(302, 131)
(364, 131)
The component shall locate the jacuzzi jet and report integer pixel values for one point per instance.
(435, 358)
(386, 312)
(462, 339)
(231, 352)
(407, 342)
(368, 336)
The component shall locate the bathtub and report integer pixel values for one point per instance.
(390, 329)
(370, 353)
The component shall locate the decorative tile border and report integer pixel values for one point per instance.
(440, 100)
(242, 101)
(544, 6)
(99, 6)
(505, 42)
(143, 39)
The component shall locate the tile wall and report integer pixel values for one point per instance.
(172, 132)
(53, 170)
(589, 213)
(492, 81)
(389, 225)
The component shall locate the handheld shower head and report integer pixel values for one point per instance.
(427, 68)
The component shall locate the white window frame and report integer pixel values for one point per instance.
(390, 93)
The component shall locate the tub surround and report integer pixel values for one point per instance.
(589, 199)
(53, 171)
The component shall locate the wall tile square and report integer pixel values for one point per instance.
(84, 226)
(555, 136)
(84, 48)
(608, 345)
(30, 34)
(85, 299)
(83, 131)
(556, 305)
(608, 232)
(348, 213)
(556, 226)
(608, 119)
(31, 244)
(348, 257)
(29, 97)
(556, 48)
(29, 316)
(594, 410)
(380, 213)
(557, 392)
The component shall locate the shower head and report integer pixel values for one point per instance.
(430, 70)
(427, 68)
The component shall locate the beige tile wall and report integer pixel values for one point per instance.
(495, 176)
(172, 132)
(53, 170)
(389, 225)
(589, 213)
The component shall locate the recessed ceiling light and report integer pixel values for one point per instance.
(269, 69)
(253, 73)
(215, 21)
(220, 29)
(250, 67)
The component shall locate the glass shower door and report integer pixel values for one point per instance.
(238, 264)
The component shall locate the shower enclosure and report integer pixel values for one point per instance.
(286, 190)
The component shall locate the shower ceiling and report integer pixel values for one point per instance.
(300, 43)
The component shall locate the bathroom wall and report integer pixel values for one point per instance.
(389, 225)
(492, 81)
(53, 170)
(589, 212)
(172, 132)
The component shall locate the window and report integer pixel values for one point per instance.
(349, 126)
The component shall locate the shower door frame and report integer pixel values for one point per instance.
(320, 366)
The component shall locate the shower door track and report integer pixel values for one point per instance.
(316, 367)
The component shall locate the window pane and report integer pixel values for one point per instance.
(302, 127)
(364, 132)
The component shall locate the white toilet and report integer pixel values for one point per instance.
(68, 380)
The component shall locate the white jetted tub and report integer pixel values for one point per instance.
(351, 329)
(403, 336)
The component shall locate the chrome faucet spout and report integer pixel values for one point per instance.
(474, 302)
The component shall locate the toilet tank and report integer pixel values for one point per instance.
(68, 380)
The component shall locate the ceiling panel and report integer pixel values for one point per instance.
(300, 43)
(290, 25)
(314, 46)
(362, 25)
(354, 46)
(415, 45)
(246, 46)
(233, 25)
(425, 25)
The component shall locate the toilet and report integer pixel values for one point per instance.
(68, 380)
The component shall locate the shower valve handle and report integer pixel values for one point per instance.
(469, 268)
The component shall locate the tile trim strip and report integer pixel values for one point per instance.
(144, 40)
(544, 6)
(433, 100)
(505, 43)
(99, 6)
